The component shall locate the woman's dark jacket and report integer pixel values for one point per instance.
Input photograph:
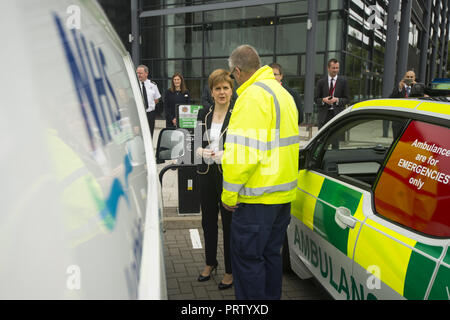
(171, 99)
(204, 120)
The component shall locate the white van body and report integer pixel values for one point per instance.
(80, 209)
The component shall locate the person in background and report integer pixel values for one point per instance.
(260, 167)
(278, 73)
(332, 93)
(403, 90)
(213, 121)
(207, 99)
(150, 94)
(177, 94)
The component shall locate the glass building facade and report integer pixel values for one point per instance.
(197, 43)
(194, 38)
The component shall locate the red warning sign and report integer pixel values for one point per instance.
(414, 188)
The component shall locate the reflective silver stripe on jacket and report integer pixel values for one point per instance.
(261, 145)
(265, 146)
(254, 192)
(277, 104)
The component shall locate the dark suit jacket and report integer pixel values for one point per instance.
(297, 101)
(322, 90)
(204, 120)
(171, 100)
(398, 94)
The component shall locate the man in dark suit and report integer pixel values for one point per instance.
(332, 94)
(404, 86)
(403, 90)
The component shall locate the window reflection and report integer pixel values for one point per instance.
(184, 41)
(240, 13)
(222, 37)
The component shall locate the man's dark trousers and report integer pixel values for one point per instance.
(151, 117)
(257, 235)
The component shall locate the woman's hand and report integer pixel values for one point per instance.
(217, 156)
(205, 153)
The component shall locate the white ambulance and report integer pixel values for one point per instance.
(80, 209)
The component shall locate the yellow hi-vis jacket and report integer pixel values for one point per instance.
(260, 160)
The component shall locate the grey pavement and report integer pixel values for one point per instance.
(184, 251)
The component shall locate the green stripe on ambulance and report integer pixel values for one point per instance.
(337, 277)
(334, 195)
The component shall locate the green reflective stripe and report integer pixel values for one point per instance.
(441, 285)
(254, 192)
(275, 100)
(419, 273)
(447, 257)
(420, 270)
(261, 145)
(334, 195)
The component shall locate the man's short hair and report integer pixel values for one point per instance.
(143, 67)
(276, 66)
(332, 60)
(245, 57)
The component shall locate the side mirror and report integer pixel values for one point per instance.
(302, 159)
(171, 145)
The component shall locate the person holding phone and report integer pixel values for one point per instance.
(404, 86)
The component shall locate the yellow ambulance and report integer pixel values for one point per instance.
(371, 219)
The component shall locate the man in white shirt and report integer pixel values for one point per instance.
(150, 94)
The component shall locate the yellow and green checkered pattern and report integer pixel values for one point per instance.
(405, 264)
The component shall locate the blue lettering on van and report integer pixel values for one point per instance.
(109, 212)
(97, 102)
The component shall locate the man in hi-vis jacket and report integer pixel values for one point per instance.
(260, 167)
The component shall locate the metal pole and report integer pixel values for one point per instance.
(402, 62)
(443, 39)
(391, 48)
(209, 7)
(435, 43)
(310, 58)
(135, 32)
(447, 30)
(390, 54)
(424, 47)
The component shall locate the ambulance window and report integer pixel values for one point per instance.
(356, 151)
(414, 187)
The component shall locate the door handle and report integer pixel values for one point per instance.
(343, 218)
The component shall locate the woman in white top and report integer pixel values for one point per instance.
(214, 123)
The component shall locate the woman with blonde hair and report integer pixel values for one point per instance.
(213, 121)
